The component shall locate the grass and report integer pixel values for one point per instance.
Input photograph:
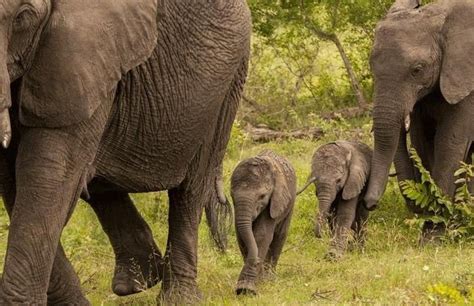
(391, 269)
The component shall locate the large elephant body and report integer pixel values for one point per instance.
(423, 67)
(109, 98)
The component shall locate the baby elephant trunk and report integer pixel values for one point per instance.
(244, 210)
(326, 196)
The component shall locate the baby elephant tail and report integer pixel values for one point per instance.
(309, 182)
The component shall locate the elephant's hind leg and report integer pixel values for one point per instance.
(276, 247)
(139, 262)
(346, 214)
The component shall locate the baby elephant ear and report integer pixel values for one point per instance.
(457, 70)
(281, 198)
(359, 168)
(84, 50)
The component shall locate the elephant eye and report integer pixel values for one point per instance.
(417, 70)
(24, 19)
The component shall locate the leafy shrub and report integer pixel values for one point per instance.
(457, 214)
(442, 294)
(459, 292)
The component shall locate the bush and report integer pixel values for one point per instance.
(455, 215)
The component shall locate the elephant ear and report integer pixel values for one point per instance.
(359, 168)
(84, 50)
(457, 70)
(281, 197)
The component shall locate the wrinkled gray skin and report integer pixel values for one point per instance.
(104, 98)
(263, 191)
(339, 171)
(423, 66)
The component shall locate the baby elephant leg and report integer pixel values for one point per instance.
(360, 224)
(263, 231)
(281, 233)
(345, 216)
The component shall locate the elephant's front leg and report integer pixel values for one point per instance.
(452, 142)
(345, 216)
(450, 151)
(49, 169)
(64, 285)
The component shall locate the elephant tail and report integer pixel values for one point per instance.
(219, 215)
(309, 182)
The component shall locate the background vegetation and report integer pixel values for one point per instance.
(309, 58)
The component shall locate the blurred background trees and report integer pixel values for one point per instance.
(309, 57)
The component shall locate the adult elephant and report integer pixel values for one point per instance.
(423, 64)
(104, 98)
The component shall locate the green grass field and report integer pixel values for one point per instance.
(391, 269)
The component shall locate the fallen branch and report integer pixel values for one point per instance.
(348, 113)
(264, 134)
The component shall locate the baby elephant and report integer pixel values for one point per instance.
(340, 171)
(263, 190)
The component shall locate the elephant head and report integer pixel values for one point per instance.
(257, 183)
(338, 169)
(418, 50)
(69, 54)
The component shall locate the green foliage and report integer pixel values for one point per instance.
(293, 70)
(442, 294)
(461, 292)
(457, 214)
(238, 138)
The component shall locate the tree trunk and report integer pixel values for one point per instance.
(332, 37)
(350, 71)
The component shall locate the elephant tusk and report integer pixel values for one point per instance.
(407, 123)
(5, 128)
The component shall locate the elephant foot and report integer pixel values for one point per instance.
(176, 294)
(432, 234)
(79, 300)
(134, 275)
(334, 255)
(268, 273)
(246, 287)
(13, 296)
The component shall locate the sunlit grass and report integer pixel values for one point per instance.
(391, 269)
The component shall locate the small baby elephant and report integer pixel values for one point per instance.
(340, 171)
(263, 189)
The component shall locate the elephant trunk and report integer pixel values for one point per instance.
(5, 101)
(391, 122)
(326, 196)
(244, 210)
